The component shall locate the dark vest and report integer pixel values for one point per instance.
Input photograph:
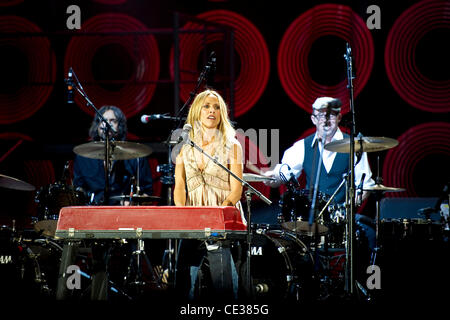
(329, 181)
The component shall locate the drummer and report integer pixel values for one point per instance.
(89, 174)
(303, 156)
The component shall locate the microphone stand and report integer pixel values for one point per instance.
(250, 190)
(312, 213)
(349, 274)
(108, 128)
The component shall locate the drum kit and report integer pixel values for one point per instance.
(33, 256)
(299, 236)
(290, 246)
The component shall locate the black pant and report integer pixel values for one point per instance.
(204, 270)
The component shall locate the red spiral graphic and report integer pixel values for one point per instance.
(323, 20)
(20, 103)
(133, 96)
(414, 145)
(250, 47)
(400, 56)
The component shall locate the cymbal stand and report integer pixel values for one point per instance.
(378, 196)
(135, 268)
(168, 179)
(107, 129)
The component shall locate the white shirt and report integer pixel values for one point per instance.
(295, 155)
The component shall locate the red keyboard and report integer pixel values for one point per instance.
(150, 222)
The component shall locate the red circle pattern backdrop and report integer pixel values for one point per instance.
(414, 145)
(323, 20)
(23, 102)
(133, 96)
(250, 47)
(400, 56)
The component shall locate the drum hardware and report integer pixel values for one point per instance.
(168, 179)
(135, 273)
(379, 189)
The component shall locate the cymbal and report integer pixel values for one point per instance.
(381, 188)
(16, 184)
(120, 150)
(368, 144)
(136, 198)
(48, 227)
(302, 227)
(252, 177)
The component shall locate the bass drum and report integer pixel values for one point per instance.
(50, 200)
(281, 267)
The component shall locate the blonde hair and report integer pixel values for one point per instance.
(225, 128)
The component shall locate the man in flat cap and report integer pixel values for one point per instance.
(304, 155)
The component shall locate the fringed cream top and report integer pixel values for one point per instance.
(209, 186)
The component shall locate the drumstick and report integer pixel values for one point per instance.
(253, 168)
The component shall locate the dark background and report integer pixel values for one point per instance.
(41, 141)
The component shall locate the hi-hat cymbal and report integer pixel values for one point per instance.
(16, 184)
(302, 227)
(47, 227)
(381, 188)
(252, 177)
(363, 144)
(120, 150)
(136, 198)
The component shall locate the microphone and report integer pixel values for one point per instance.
(69, 86)
(147, 117)
(211, 70)
(184, 136)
